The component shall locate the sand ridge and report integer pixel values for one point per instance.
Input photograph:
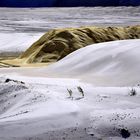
(58, 43)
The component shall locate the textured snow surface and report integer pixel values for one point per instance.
(41, 108)
(16, 42)
(33, 110)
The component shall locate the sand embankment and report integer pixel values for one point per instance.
(58, 43)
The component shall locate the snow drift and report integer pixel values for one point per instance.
(41, 108)
(16, 43)
(110, 63)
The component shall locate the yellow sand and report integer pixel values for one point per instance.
(56, 44)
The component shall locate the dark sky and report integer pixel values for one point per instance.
(68, 3)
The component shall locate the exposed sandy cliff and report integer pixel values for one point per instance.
(58, 43)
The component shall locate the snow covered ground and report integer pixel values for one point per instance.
(45, 111)
(43, 19)
(41, 108)
(113, 63)
(15, 43)
(48, 104)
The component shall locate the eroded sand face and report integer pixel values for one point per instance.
(38, 21)
(56, 44)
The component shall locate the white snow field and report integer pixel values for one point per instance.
(41, 20)
(113, 63)
(48, 105)
(15, 43)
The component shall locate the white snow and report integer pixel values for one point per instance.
(45, 110)
(16, 42)
(113, 63)
(42, 109)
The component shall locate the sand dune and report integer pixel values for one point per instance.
(56, 44)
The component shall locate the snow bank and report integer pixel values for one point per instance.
(37, 110)
(112, 63)
(16, 42)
